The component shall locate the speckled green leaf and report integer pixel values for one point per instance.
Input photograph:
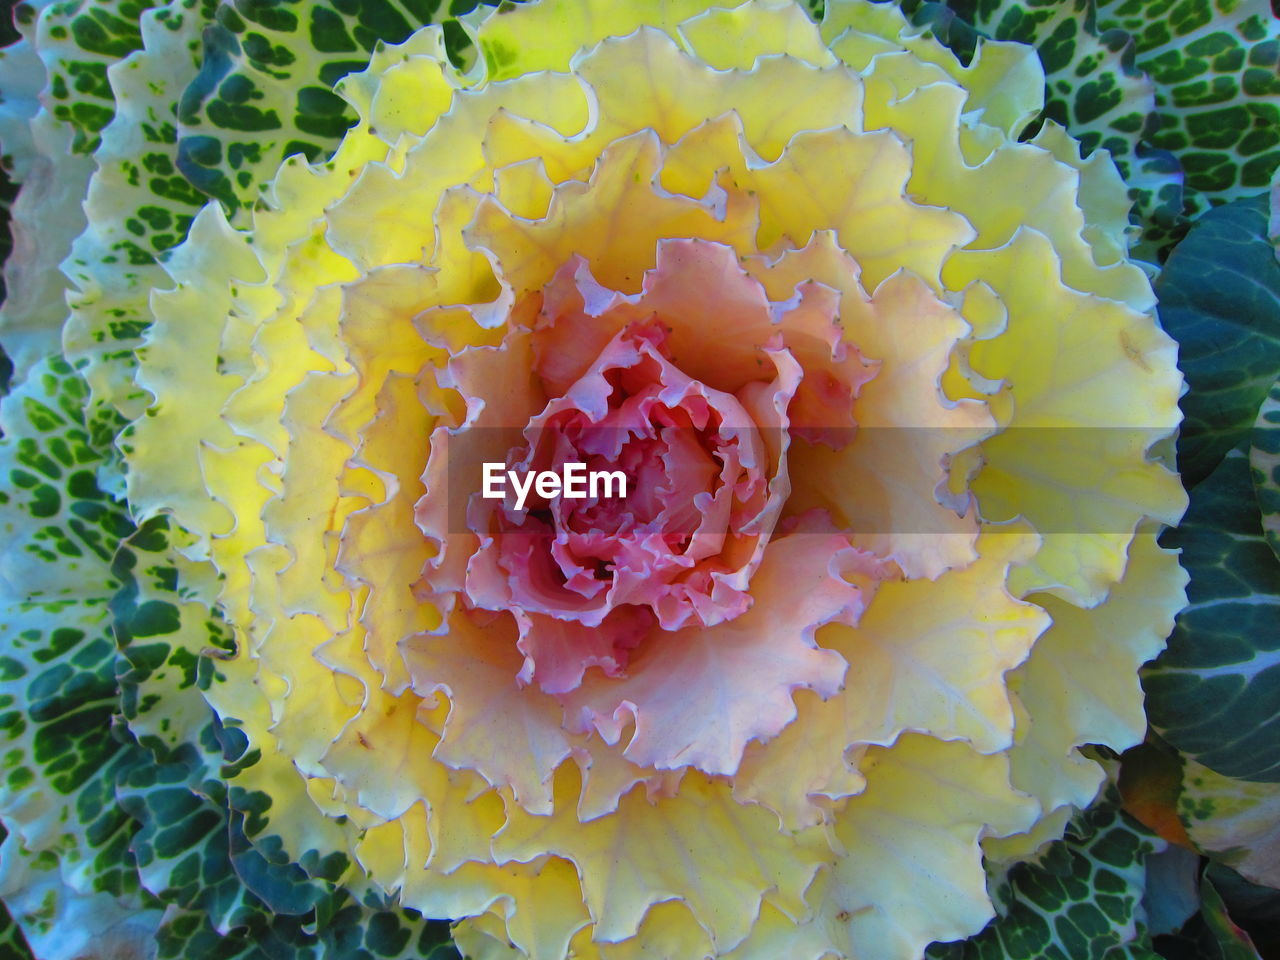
(78, 40)
(202, 97)
(1155, 181)
(353, 932)
(1081, 901)
(265, 88)
(225, 897)
(62, 751)
(125, 826)
(1220, 298)
(1214, 63)
(1093, 88)
(1236, 822)
(182, 846)
(1264, 460)
(138, 206)
(60, 531)
(13, 945)
(60, 921)
(205, 847)
(1215, 692)
(172, 639)
(46, 216)
(169, 641)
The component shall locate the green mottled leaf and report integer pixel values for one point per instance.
(1215, 692)
(1194, 82)
(1264, 460)
(227, 899)
(62, 751)
(59, 527)
(117, 828)
(78, 40)
(169, 640)
(46, 215)
(13, 945)
(139, 206)
(1219, 297)
(206, 848)
(265, 87)
(47, 147)
(58, 920)
(1092, 87)
(1214, 63)
(1237, 822)
(1081, 901)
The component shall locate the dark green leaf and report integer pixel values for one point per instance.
(1220, 298)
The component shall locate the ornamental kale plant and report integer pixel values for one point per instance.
(937, 343)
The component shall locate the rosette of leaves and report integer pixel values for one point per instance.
(115, 771)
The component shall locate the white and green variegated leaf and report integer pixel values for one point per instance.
(265, 89)
(1092, 87)
(60, 528)
(228, 897)
(138, 206)
(78, 41)
(210, 851)
(132, 830)
(37, 149)
(1237, 822)
(1185, 94)
(63, 753)
(62, 72)
(47, 918)
(1214, 63)
(1081, 900)
(1264, 460)
(211, 100)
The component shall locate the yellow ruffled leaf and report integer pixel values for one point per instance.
(883, 486)
(729, 39)
(1080, 684)
(927, 656)
(477, 670)
(546, 36)
(648, 853)
(1004, 83)
(911, 868)
(1088, 401)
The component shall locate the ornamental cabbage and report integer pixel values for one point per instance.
(889, 394)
